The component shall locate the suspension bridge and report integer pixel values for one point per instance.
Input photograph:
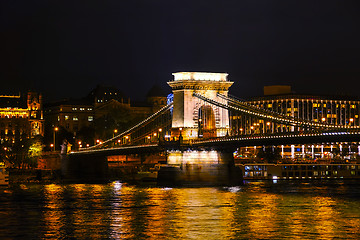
(195, 129)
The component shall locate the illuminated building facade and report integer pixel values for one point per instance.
(321, 109)
(192, 117)
(72, 115)
(21, 116)
(105, 105)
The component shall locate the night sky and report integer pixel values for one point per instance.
(65, 48)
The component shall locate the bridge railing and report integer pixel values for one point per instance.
(296, 134)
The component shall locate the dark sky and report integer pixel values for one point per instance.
(65, 48)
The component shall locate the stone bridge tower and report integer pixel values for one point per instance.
(192, 117)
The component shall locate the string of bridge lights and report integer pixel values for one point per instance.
(88, 150)
(277, 136)
(241, 107)
(279, 117)
(125, 133)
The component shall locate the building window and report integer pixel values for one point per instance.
(74, 108)
(75, 118)
(90, 118)
(66, 117)
(82, 109)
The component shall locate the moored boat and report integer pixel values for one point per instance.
(299, 171)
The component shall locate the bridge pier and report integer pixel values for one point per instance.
(200, 168)
(84, 168)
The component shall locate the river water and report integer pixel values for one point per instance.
(255, 210)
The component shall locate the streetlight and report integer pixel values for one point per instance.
(160, 134)
(241, 130)
(115, 132)
(268, 126)
(55, 130)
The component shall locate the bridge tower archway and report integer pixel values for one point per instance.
(206, 122)
(192, 117)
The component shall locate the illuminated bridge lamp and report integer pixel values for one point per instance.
(160, 134)
(55, 130)
(323, 119)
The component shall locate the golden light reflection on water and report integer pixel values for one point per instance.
(121, 211)
(324, 215)
(53, 215)
(262, 214)
(200, 215)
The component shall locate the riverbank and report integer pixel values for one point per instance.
(55, 176)
(34, 176)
